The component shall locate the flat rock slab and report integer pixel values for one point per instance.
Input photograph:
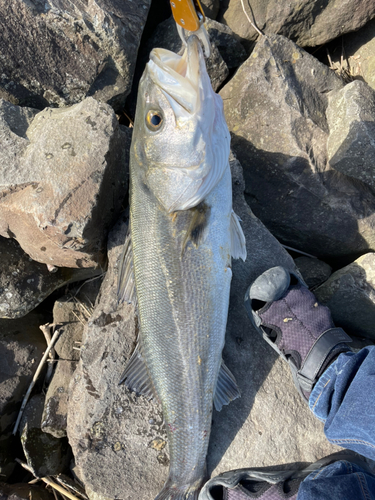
(275, 107)
(307, 22)
(63, 180)
(351, 140)
(350, 295)
(58, 52)
(118, 439)
(24, 283)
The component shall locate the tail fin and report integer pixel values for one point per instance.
(180, 492)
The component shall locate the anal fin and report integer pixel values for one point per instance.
(136, 377)
(226, 388)
(126, 283)
(237, 238)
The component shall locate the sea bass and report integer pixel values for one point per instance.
(183, 233)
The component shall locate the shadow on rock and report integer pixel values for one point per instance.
(323, 212)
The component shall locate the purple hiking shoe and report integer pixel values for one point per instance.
(296, 325)
(246, 484)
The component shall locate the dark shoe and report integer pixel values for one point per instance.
(296, 325)
(244, 484)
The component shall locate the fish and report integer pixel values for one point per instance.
(176, 263)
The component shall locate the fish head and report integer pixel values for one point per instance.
(180, 140)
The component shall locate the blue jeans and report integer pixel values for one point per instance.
(344, 399)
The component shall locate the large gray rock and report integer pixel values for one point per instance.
(118, 439)
(350, 295)
(21, 348)
(25, 283)
(306, 22)
(275, 108)
(63, 179)
(351, 140)
(61, 51)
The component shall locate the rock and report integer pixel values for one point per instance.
(210, 8)
(351, 140)
(228, 44)
(61, 52)
(70, 313)
(307, 22)
(21, 348)
(25, 283)
(275, 109)
(359, 50)
(24, 491)
(63, 181)
(118, 439)
(350, 295)
(314, 271)
(45, 454)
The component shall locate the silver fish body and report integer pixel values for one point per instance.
(181, 256)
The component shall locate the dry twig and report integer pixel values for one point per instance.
(46, 329)
(250, 21)
(35, 377)
(49, 481)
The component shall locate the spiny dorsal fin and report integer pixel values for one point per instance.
(237, 238)
(226, 388)
(126, 283)
(136, 377)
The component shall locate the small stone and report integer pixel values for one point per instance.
(158, 444)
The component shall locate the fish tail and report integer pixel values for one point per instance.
(172, 491)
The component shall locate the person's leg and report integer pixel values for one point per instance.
(341, 480)
(344, 399)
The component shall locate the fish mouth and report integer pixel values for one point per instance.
(180, 77)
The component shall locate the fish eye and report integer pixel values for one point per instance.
(154, 120)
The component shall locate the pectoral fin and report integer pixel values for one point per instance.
(136, 377)
(238, 241)
(126, 283)
(226, 388)
(196, 231)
